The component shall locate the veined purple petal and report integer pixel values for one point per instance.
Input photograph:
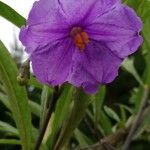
(33, 36)
(96, 65)
(44, 25)
(83, 12)
(119, 29)
(27, 39)
(44, 11)
(51, 64)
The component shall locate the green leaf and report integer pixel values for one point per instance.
(33, 82)
(2, 88)
(4, 100)
(128, 65)
(104, 125)
(61, 112)
(44, 103)
(17, 97)
(8, 128)
(142, 8)
(82, 139)
(99, 116)
(35, 108)
(10, 142)
(123, 116)
(81, 101)
(127, 108)
(134, 4)
(146, 53)
(111, 113)
(146, 49)
(11, 15)
(98, 103)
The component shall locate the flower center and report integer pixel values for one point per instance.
(81, 38)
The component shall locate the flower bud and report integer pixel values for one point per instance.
(24, 73)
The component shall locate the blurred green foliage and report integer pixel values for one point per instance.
(114, 107)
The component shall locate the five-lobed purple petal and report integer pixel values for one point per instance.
(113, 30)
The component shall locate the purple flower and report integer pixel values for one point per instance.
(82, 42)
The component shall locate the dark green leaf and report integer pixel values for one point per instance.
(17, 97)
(11, 15)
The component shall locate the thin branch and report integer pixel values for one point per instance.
(91, 129)
(108, 142)
(47, 118)
(138, 119)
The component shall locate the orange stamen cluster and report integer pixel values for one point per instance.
(81, 38)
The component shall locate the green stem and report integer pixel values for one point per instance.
(81, 101)
(48, 116)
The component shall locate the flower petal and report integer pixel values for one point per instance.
(51, 64)
(45, 24)
(33, 36)
(119, 29)
(83, 12)
(44, 11)
(96, 65)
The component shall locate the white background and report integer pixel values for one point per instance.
(6, 28)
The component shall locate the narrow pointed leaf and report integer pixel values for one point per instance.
(17, 97)
(81, 101)
(11, 15)
(62, 109)
(8, 128)
(10, 142)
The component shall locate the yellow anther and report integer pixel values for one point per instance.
(85, 37)
(81, 38)
(79, 41)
